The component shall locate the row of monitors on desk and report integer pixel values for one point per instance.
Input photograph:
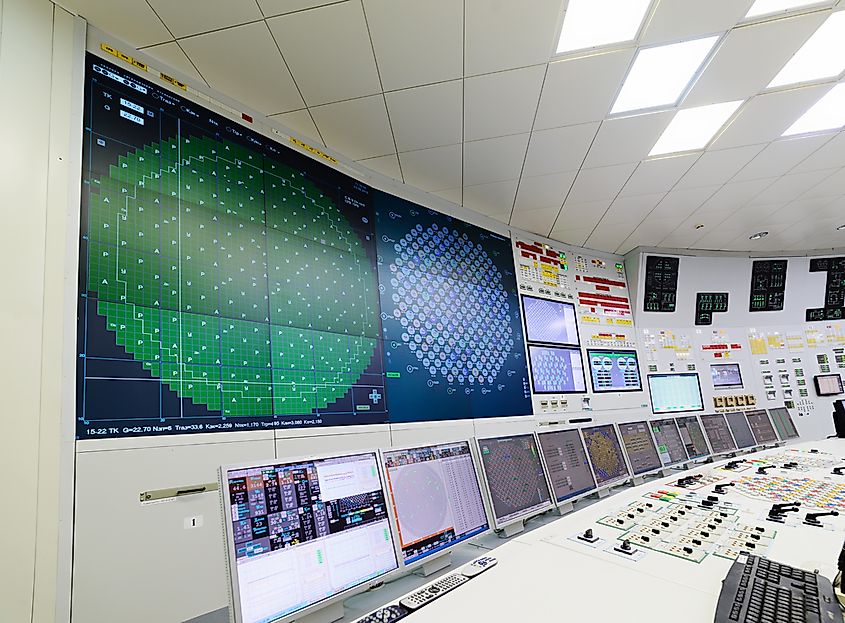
(303, 534)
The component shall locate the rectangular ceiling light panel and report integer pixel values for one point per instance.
(822, 56)
(660, 75)
(593, 23)
(826, 114)
(693, 128)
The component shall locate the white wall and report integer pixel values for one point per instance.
(36, 173)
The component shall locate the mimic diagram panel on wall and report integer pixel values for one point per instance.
(230, 283)
(579, 329)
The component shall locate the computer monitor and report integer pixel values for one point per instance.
(614, 370)
(670, 446)
(566, 464)
(301, 535)
(556, 370)
(606, 456)
(640, 447)
(784, 425)
(761, 426)
(741, 430)
(828, 385)
(435, 498)
(718, 433)
(551, 322)
(675, 393)
(514, 477)
(726, 375)
(695, 443)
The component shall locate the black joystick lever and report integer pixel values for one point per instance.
(588, 536)
(778, 511)
(838, 471)
(812, 519)
(733, 464)
(762, 469)
(790, 465)
(722, 488)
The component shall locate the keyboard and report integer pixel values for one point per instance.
(388, 614)
(759, 590)
(447, 583)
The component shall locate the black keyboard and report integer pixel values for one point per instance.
(759, 590)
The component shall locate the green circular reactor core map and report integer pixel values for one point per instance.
(232, 278)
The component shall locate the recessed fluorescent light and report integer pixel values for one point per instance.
(692, 128)
(822, 56)
(660, 74)
(590, 23)
(826, 114)
(758, 235)
(764, 7)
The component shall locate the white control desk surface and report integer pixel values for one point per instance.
(545, 573)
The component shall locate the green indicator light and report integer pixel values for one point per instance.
(393, 375)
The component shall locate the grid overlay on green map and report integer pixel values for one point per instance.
(231, 277)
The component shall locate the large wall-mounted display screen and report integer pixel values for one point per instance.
(229, 283)
(614, 370)
(556, 370)
(675, 393)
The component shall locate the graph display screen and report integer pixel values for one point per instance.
(740, 429)
(556, 370)
(670, 446)
(435, 496)
(301, 533)
(552, 322)
(605, 454)
(784, 425)
(515, 477)
(695, 443)
(718, 433)
(725, 375)
(761, 426)
(640, 448)
(452, 331)
(566, 463)
(675, 393)
(614, 370)
(828, 385)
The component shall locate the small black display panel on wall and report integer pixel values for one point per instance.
(768, 284)
(834, 291)
(661, 283)
(709, 303)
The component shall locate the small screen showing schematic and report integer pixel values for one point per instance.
(566, 463)
(675, 393)
(828, 385)
(556, 370)
(693, 437)
(725, 375)
(718, 433)
(761, 426)
(614, 371)
(550, 322)
(670, 446)
(640, 448)
(435, 496)
(606, 456)
(783, 423)
(515, 478)
(740, 429)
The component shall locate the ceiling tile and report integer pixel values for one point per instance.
(543, 191)
(342, 65)
(601, 183)
(386, 165)
(633, 209)
(765, 117)
(789, 187)
(658, 174)
(583, 215)
(455, 195)
(571, 236)
(494, 159)
(299, 121)
(559, 149)
(628, 139)
(680, 204)
(609, 234)
(779, 157)
(433, 169)
(535, 221)
(734, 195)
(718, 166)
(504, 35)
(130, 20)
(428, 116)
(831, 186)
(749, 58)
(404, 31)
(244, 63)
(675, 20)
(271, 8)
(189, 17)
(719, 238)
(357, 128)
(173, 57)
(490, 199)
(829, 155)
(597, 78)
(502, 103)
